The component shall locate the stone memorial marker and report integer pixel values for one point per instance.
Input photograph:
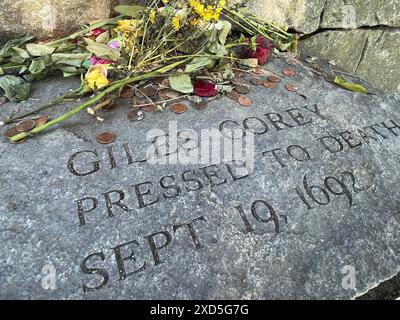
(314, 215)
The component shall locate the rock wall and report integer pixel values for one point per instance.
(363, 36)
(49, 18)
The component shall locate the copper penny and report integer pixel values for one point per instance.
(237, 81)
(288, 72)
(291, 62)
(274, 79)
(269, 85)
(110, 107)
(41, 121)
(245, 101)
(258, 70)
(256, 81)
(200, 105)
(149, 91)
(243, 89)
(136, 115)
(149, 108)
(25, 125)
(291, 87)
(178, 108)
(233, 95)
(127, 92)
(106, 137)
(11, 132)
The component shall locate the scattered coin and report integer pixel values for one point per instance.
(106, 137)
(258, 70)
(239, 73)
(163, 95)
(178, 108)
(11, 132)
(269, 85)
(329, 78)
(234, 95)
(291, 62)
(274, 79)
(127, 92)
(243, 89)
(25, 125)
(245, 101)
(237, 81)
(171, 94)
(288, 72)
(150, 91)
(149, 108)
(41, 121)
(136, 115)
(200, 105)
(256, 81)
(291, 87)
(110, 107)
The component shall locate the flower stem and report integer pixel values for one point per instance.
(98, 97)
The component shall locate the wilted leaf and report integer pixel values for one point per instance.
(198, 64)
(5, 50)
(39, 50)
(251, 62)
(103, 51)
(130, 11)
(37, 66)
(14, 88)
(23, 54)
(1, 71)
(71, 59)
(350, 85)
(223, 34)
(181, 83)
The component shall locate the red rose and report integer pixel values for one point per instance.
(204, 88)
(262, 53)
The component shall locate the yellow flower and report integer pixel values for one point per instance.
(97, 77)
(176, 22)
(152, 16)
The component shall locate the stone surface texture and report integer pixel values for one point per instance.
(312, 256)
(49, 18)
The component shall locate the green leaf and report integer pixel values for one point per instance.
(181, 83)
(223, 34)
(37, 66)
(71, 59)
(130, 11)
(101, 50)
(198, 64)
(6, 49)
(39, 50)
(21, 52)
(350, 85)
(14, 88)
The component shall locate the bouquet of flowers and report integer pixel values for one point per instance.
(189, 45)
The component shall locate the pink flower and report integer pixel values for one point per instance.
(94, 60)
(115, 44)
(96, 32)
(204, 88)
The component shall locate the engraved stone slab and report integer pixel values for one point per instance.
(316, 217)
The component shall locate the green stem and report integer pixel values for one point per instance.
(98, 97)
(63, 98)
